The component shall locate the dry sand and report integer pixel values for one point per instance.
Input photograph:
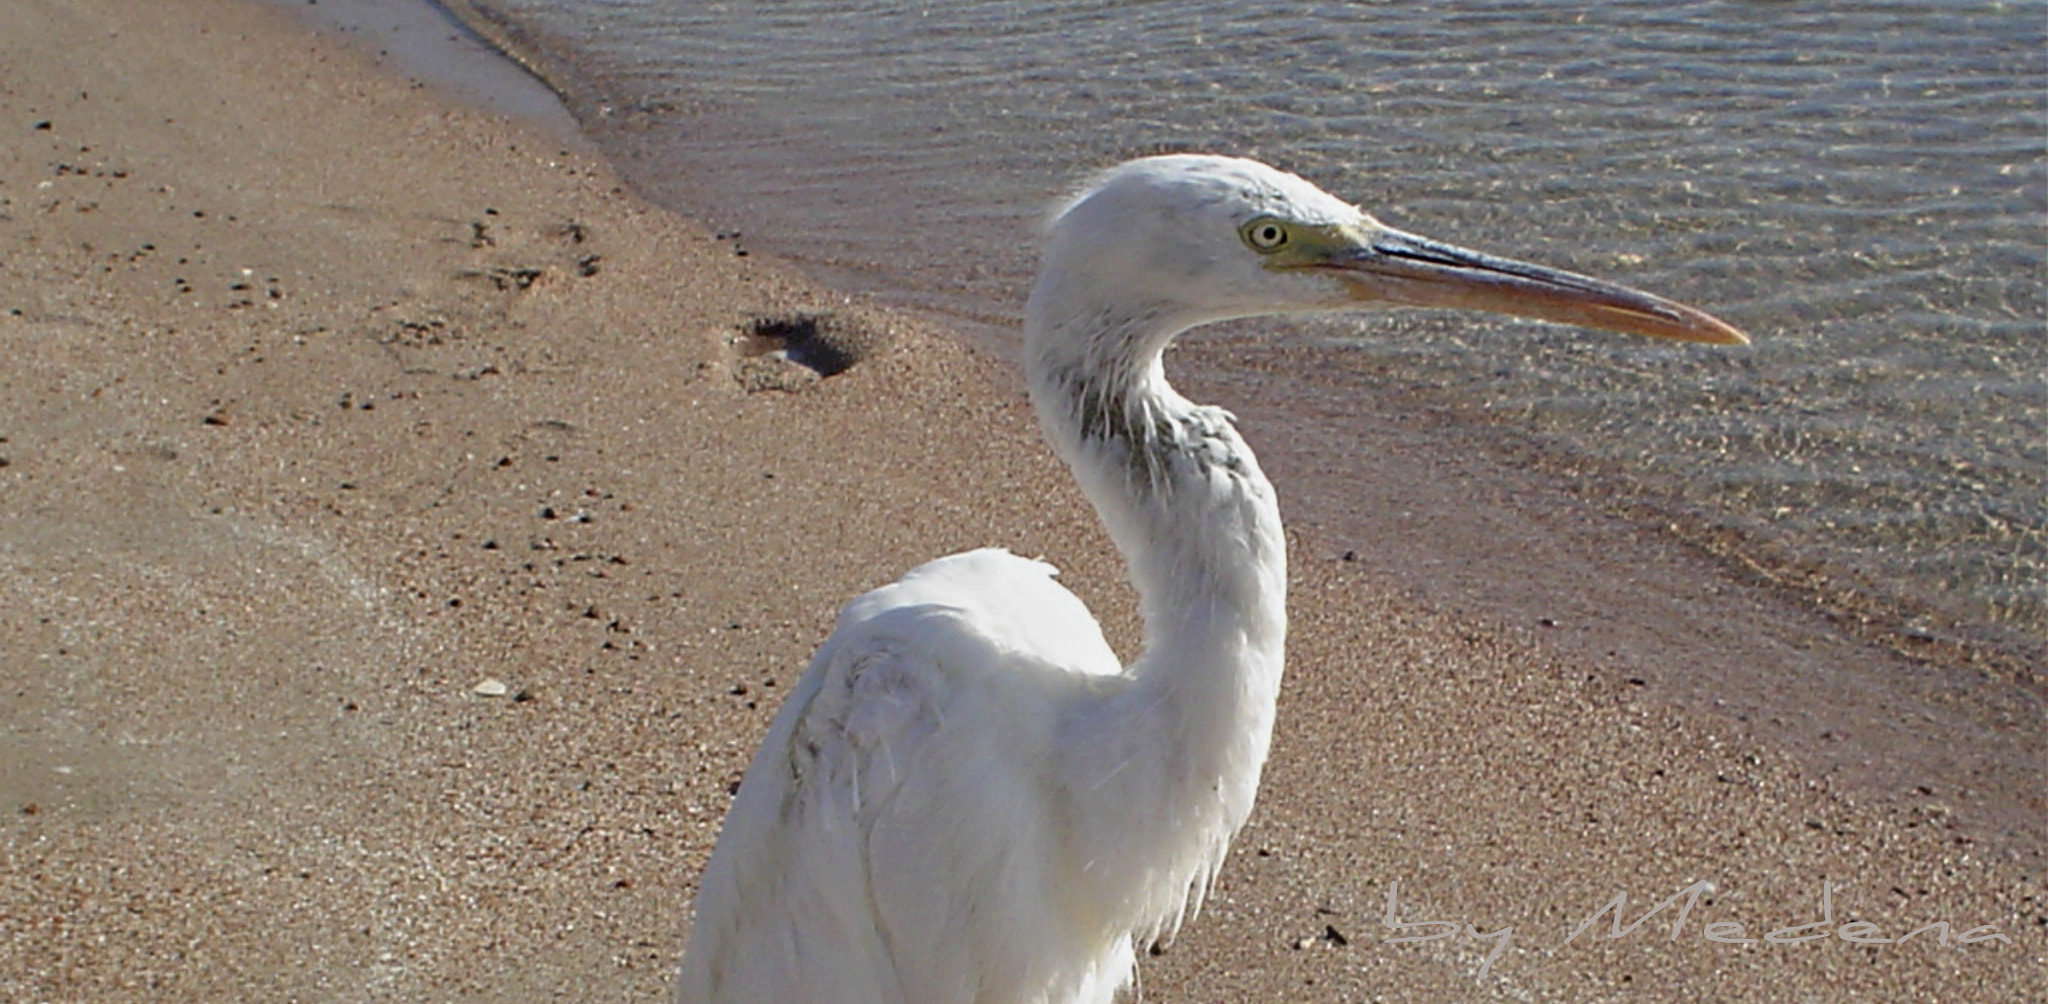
(326, 400)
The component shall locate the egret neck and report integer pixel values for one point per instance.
(1196, 522)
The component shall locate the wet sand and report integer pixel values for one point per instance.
(408, 545)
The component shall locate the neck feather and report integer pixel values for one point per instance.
(1185, 502)
(1180, 746)
(1179, 491)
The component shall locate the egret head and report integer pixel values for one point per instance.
(1161, 244)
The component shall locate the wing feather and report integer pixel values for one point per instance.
(897, 809)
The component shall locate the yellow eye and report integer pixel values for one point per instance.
(1265, 235)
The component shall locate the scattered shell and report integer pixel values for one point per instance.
(491, 687)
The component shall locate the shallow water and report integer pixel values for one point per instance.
(1861, 187)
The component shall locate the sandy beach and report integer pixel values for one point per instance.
(410, 535)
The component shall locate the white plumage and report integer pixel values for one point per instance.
(967, 800)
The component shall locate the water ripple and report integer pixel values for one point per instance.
(1862, 186)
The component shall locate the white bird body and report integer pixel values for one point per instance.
(891, 863)
(967, 799)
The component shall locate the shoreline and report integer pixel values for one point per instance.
(309, 443)
(1923, 620)
(1846, 598)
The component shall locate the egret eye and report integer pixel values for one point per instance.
(1265, 235)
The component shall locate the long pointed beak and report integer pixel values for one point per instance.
(1387, 265)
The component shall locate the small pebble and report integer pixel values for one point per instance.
(491, 687)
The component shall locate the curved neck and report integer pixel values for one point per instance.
(1177, 746)
(1166, 760)
(1182, 497)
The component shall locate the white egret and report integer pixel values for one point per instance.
(967, 799)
